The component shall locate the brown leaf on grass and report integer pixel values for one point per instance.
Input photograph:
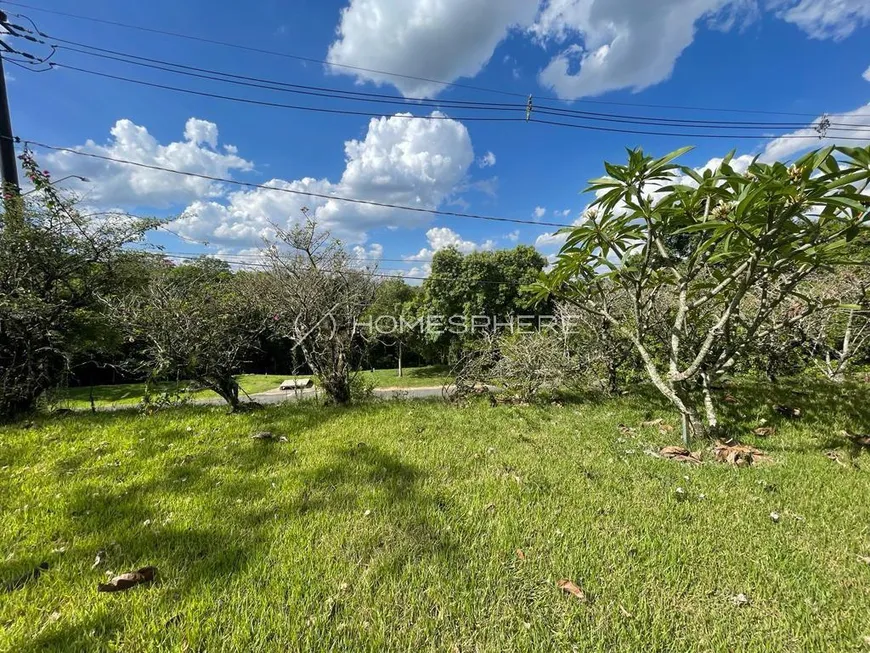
(567, 586)
(730, 399)
(860, 439)
(128, 580)
(765, 431)
(625, 430)
(738, 455)
(864, 559)
(264, 435)
(520, 554)
(680, 454)
(625, 613)
(663, 427)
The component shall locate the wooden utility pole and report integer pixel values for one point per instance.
(7, 145)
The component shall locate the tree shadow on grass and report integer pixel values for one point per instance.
(406, 513)
(742, 405)
(90, 634)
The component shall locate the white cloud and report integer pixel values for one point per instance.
(368, 257)
(513, 236)
(612, 45)
(440, 238)
(120, 184)
(487, 160)
(550, 240)
(202, 132)
(539, 212)
(432, 39)
(417, 163)
(824, 19)
(603, 45)
(867, 74)
(785, 147)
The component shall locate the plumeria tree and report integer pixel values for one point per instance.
(698, 246)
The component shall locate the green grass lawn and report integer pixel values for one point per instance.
(395, 526)
(129, 394)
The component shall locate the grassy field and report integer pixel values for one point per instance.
(129, 394)
(397, 525)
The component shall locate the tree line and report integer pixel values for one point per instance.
(675, 276)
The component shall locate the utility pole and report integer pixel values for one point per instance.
(8, 162)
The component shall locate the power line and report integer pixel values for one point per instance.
(400, 75)
(270, 84)
(238, 46)
(617, 130)
(277, 105)
(319, 91)
(247, 184)
(369, 114)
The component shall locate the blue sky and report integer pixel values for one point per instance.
(803, 56)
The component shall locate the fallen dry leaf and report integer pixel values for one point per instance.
(654, 422)
(738, 455)
(625, 430)
(680, 454)
(98, 560)
(128, 580)
(520, 554)
(740, 600)
(625, 613)
(730, 399)
(567, 586)
(864, 559)
(863, 440)
(666, 428)
(835, 457)
(263, 435)
(765, 431)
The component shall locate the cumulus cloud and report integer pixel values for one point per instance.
(416, 163)
(439, 238)
(601, 45)
(867, 74)
(539, 212)
(120, 184)
(612, 45)
(431, 39)
(513, 236)
(487, 160)
(824, 19)
(550, 240)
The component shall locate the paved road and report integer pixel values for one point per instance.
(279, 396)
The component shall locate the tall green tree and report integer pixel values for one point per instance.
(491, 284)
